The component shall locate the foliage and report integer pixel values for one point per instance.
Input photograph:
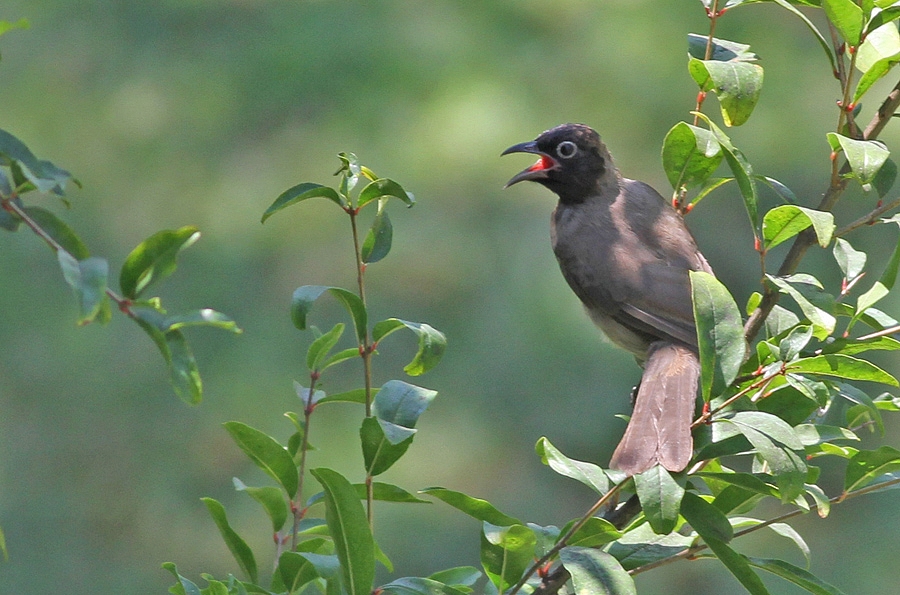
(769, 412)
(798, 396)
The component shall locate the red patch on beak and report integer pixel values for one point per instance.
(543, 163)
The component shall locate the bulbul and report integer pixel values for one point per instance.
(626, 253)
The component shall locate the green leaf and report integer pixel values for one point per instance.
(864, 156)
(460, 575)
(320, 348)
(847, 18)
(432, 343)
(238, 547)
(304, 298)
(154, 259)
(594, 532)
(506, 552)
(302, 192)
(295, 571)
(800, 577)
(474, 507)
(383, 188)
(306, 397)
(889, 276)
(745, 481)
(386, 492)
(587, 473)
(868, 465)
(784, 222)
(377, 243)
(850, 260)
(184, 375)
(642, 546)
(720, 335)
(876, 56)
(350, 531)
(794, 342)
(8, 26)
(341, 356)
(690, 155)
(328, 567)
(839, 365)
(736, 84)
(710, 185)
(738, 565)
(742, 170)
(722, 49)
(780, 320)
(888, 11)
(267, 454)
(885, 178)
(595, 572)
(271, 500)
(660, 497)
(783, 192)
(351, 396)
(383, 443)
(778, 445)
(871, 297)
(202, 317)
(350, 171)
(184, 585)
(57, 229)
(814, 434)
(706, 519)
(414, 585)
(806, 292)
(402, 403)
(87, 278)
(28, 171)
(864, 412)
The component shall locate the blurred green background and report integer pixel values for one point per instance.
(180, 112)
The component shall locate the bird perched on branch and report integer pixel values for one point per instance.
(626, 253)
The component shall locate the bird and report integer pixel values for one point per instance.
(627, 254)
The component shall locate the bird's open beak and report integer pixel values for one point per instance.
(536, 172)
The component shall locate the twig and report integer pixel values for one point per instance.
(123, 304)
(688, 552)
(808, 237)
(869, 218)
(564, 540)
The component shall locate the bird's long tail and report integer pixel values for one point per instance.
(660, 428)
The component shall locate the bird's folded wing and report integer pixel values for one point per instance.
(665, 312)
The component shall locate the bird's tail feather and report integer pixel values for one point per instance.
(660, 428)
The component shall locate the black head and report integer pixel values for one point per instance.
(574, 162)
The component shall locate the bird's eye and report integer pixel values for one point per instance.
(566, 149)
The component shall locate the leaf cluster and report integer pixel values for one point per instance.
(153, 260)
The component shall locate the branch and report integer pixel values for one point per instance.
(564, 540)
(619, 517)
(808, 237)
(691, 551)
(9, 205)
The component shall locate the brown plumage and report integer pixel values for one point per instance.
(626, 253)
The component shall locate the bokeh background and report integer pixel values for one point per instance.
(180, 112)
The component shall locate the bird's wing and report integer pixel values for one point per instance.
(666, 312)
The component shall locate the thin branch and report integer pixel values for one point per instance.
(869, 218)
(691, 551)
(807, 237)
(123, 304)
(564, 540)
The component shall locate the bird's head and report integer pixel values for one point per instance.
(573, 162)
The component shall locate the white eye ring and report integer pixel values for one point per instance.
(566, 149)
